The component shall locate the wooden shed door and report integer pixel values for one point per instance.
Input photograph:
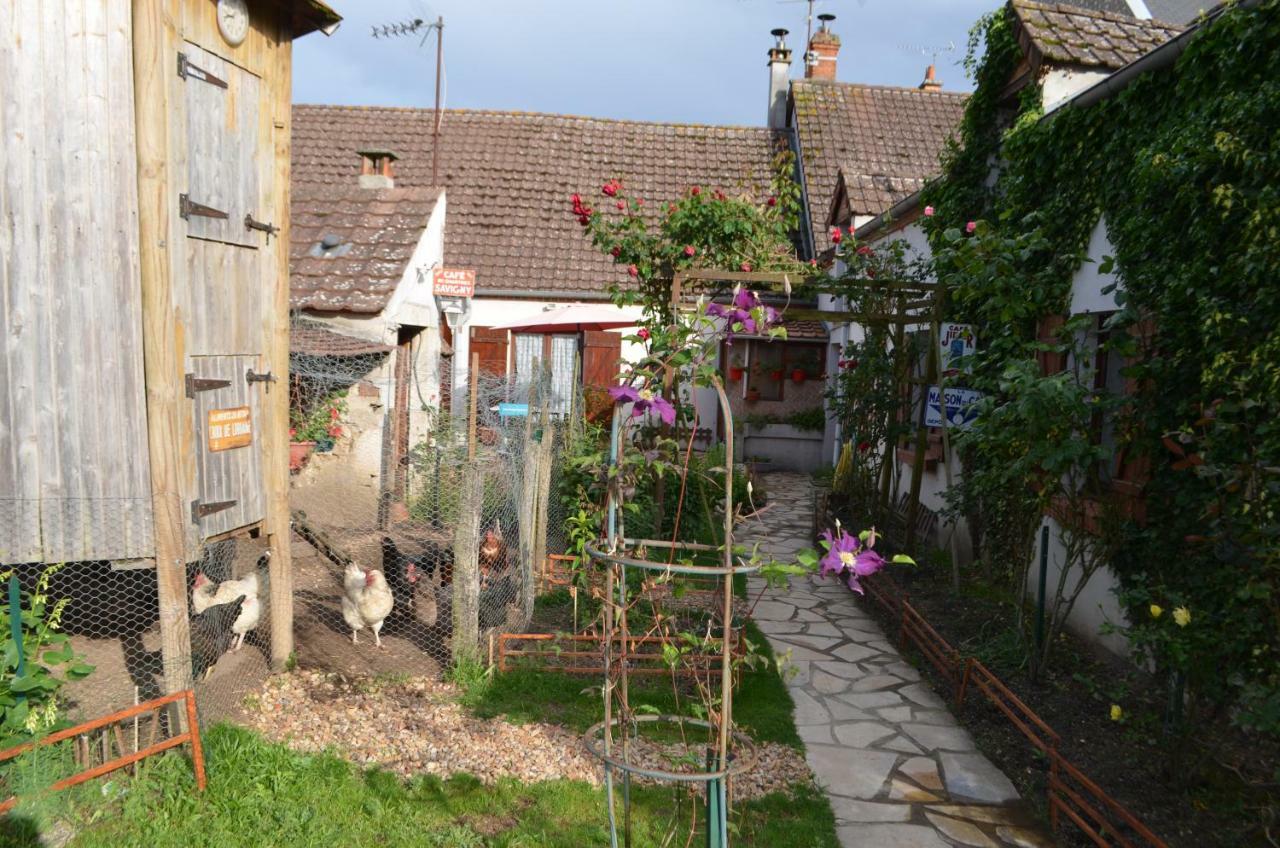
(228, 443)
(222, 294)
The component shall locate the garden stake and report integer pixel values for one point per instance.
(1044, 579)
(15, 627)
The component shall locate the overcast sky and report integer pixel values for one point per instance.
(697, 61)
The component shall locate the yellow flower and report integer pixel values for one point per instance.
(1116, 712)
(1156, 610)
(1182, 616)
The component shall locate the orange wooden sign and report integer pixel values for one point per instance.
(229, 428)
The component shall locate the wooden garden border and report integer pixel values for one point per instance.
(594, 652)
(1071, 793)
(191, 734)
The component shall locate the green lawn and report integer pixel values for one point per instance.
(262, 794)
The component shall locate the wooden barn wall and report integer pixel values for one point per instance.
(74, 473)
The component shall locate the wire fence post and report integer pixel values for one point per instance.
(466, 569)
(15, 627)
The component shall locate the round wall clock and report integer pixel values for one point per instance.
(233, 21)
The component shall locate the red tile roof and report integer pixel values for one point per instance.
(306, 339)
(509, 175)
(885, 140)
(1066, 34)
(373, 233)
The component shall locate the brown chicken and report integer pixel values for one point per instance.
(494, 558)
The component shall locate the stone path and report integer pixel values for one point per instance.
(900, 772)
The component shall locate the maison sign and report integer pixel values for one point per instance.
(454, 282)
(961, 407)
(229, 428)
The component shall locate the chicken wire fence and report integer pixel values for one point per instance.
(417, 528)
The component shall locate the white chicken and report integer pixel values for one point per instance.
(366, 601)
(206, 594)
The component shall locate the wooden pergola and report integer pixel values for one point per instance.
(911, 304)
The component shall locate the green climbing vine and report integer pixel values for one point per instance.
(1184, 167)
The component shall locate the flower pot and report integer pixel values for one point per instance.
(753, 395)
(798, 375)
(775, 375)
(735, 374)
(299, 453)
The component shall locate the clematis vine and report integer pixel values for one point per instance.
(642, 401)
(852, 557)
(745, 315)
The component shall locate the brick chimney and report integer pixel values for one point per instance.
(375, 168)
(779, 77)
(931, 81)
(824, 46)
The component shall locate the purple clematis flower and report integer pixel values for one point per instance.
(745, 314)
(642, 401)
(847, 555)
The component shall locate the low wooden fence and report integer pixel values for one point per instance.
(85, 753)
(584, 654)
(1072, 795)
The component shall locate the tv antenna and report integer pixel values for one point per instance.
(414, 26)
(930, 52)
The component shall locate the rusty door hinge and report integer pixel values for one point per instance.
(201, 509)
(188, 207)
(196, 384)
(250, 223)
(186, 70)
(252, 376)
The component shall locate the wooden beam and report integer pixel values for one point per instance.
(275, 401)
(154, 37)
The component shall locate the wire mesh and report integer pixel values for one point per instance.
(419, 519)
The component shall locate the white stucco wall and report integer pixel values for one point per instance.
(1061, 84)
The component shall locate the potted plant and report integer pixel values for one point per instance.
(753, 395)
(798, 375)
(775, 374)
(316, 430)
(735, 369)
(299, 450)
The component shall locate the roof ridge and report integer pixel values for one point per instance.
(1098, 14)
(910, 89)
(519, 113)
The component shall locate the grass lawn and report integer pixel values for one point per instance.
(261, 794)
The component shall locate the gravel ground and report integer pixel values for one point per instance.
(415, 725)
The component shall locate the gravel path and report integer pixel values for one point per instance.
(416, 726)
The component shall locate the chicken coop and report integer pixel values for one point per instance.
(144, 195)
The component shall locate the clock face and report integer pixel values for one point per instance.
(233, 20)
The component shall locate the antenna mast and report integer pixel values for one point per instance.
(412, 28)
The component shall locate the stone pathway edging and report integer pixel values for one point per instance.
(899, 770)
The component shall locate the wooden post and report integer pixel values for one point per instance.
(275, 400)
(527, 516)
(466, 566)
(922, 444)
(542, 493)
(154, 38)
(471, 409)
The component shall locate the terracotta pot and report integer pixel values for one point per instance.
(798, 375)
(753, 395)
(775, 375)
(299, 453)
(735, 374)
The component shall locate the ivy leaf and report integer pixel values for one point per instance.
(902, 559)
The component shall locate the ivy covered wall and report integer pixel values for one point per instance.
(1185, 166)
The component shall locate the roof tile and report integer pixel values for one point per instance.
(1069, 34)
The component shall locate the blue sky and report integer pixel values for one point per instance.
(698, 61)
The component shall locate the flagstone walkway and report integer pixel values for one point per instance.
(900, 772)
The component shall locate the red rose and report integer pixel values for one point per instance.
(688, 250)
(864, 251)
(746, 266)
(609, 189)
(773, 201)
(639, 201)
(621, 205)
(813, 263)
(633, 270)
(671, 207)
(335, 431)
(617, 251)
(835, 235)
(853, 363)
(695, 191)
(643, 333)
(863, 447)
(333, 413)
